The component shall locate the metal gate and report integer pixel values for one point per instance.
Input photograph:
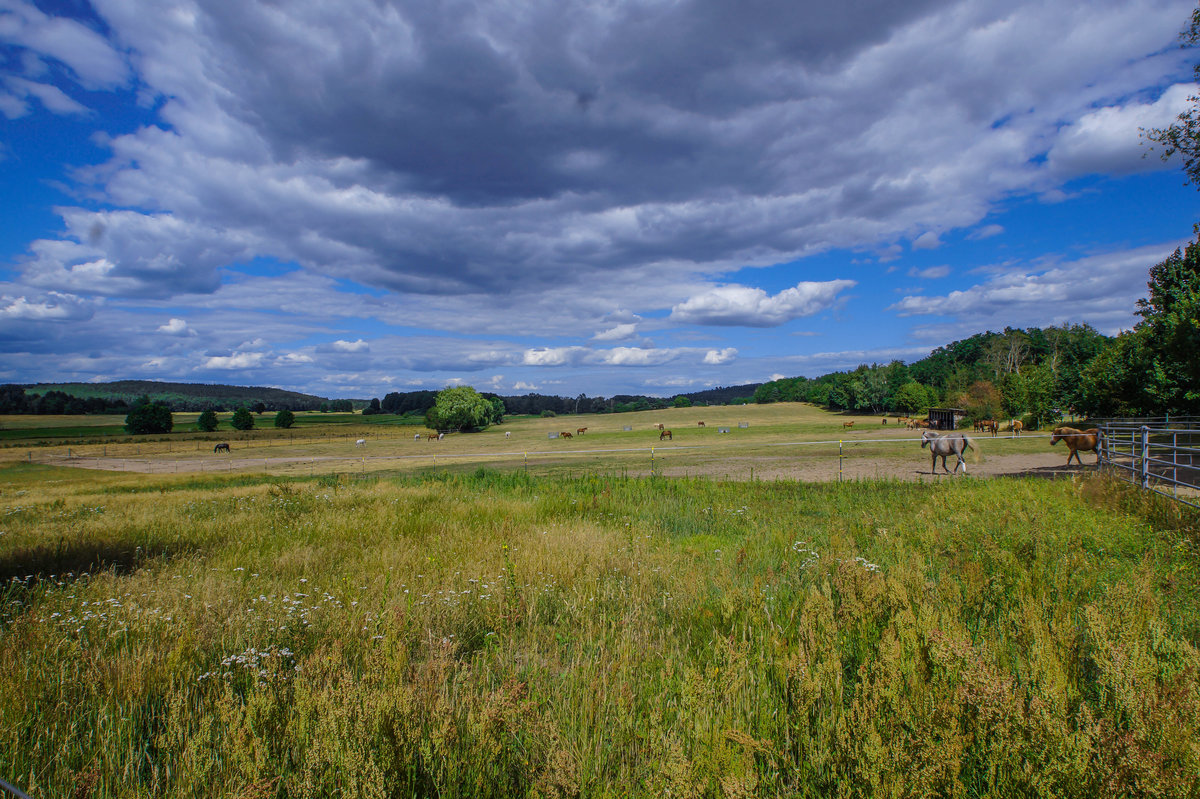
(1164, 459)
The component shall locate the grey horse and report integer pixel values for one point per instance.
(953, 444)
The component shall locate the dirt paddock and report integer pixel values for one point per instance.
(674, 463)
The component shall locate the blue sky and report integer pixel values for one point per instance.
(636, 197)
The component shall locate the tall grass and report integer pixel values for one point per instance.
(494, 634)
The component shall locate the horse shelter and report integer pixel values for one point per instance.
(945, 418)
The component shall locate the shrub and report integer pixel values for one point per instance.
(149, 417)
(242, 419)
(207, 421)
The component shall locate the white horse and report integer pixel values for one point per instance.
(362, 442)
(416, 436)
(953, 444)
(508, 434)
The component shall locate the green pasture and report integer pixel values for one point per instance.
(497, 634)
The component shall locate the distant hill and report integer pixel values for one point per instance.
(184, 396)
(723, 395)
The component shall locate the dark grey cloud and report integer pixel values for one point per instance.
(471, 148)
(514, 172)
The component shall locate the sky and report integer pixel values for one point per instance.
(563, 197)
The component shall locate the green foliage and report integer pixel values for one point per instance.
(242, 419)
(548, 414)
(207, 422)
(1183, 136)
(497, 410)
(1154, 368)
(149, 417)
(682, 402)
(285, 419)
(911, 398)
(460, 408)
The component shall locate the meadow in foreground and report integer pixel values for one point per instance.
(500, 635)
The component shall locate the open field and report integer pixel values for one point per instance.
(780, 441)
(497, 634)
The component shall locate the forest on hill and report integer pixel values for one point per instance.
(118, 396)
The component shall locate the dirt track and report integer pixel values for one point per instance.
(908, 466)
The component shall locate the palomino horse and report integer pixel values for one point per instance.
(222, 447)
(1077, 441)
(665, 434)
(1017, 426)
(941, 446)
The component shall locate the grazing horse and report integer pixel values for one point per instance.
(884, 420)
(508, 434)
(1077, 441)
(581, 431)
(416, 436)
(564, 434)
(941, 446)
(846, 425)
(665, 434)
(433, 437)
(1017, 426)
(222, 447)
(699, 424)
(362, 442)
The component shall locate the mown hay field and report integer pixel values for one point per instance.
(489, 633)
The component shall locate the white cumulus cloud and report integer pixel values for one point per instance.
(752, 307)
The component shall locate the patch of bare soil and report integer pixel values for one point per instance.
(759, 467)
(814, 470)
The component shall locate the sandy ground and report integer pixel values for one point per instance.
(806, 468)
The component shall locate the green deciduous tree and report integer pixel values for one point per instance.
(285, 419)
(912, 397)
(149, 417)
(1183, 136)
(207, 421)
(459, 408)
(243, 419)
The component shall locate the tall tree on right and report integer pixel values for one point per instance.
(1183, 136)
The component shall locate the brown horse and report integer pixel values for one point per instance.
(665, 434)
(564, 434)
(699, 424)
(658, 427)
(581, 431)
(847, 425)
(1077, 441)
(1017, 426)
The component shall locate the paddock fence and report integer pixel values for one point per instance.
(1158, 454)
(831, 459)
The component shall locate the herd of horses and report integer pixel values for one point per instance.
(939, 445)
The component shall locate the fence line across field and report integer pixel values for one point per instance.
(359, 462)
